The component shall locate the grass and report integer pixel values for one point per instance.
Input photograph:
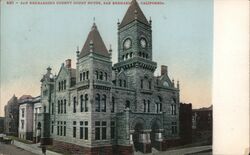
(52, 148)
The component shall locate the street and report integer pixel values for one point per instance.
(8, 149)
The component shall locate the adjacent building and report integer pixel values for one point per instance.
(186, 123)
(100, 108)
(27, 116)
(1, 125)
(202, 125)
(11, 113)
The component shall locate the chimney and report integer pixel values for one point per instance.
(68, 63)
(164, 70)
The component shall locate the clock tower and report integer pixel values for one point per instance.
(134, 35)
(135, 54)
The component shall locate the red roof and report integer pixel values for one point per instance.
(95, 39)
(134, 12)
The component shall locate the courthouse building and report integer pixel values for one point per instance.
(100, 108)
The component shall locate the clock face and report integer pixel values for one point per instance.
(165, 84)
(127, 44)
(143, 43)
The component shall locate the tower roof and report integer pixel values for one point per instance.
(94, 43)
(134, 12)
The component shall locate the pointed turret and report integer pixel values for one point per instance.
(133, 13)
(94, 43)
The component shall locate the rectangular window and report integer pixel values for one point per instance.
(58, 107)
(64, 133)
(104, 130)
(173, 109)
(86, 133)
(144, 106)
(112, 130)
(52, 127)
(74, 105)
(80, 76)
(81, 132)
(61, 127)
(61, 107)
(113, 105)
(58, 128)
(97, 130)
(22, 124)
(87, 75)
(148, 106)
(149, 84)
(52, 108)
(23, 113)
(174, 127)
(74, 131)
(65, 103)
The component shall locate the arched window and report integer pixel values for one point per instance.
(87, 75)
(146, 56)
(104, 98)
(124, 83)
(101, 76)
(148, 106)
(141, 83)
(143, 55)
(83, 76)
(131, 55)
(113, 104)
(96, 75)
(160, 104)
(144, 106)
(127, 56)
(127, 105)
(64, 83)
(123, 57)
(61, 106)
(86, 102)
(59, 86)
(140, 54)
(106, 76)
(149, 84)
(80, 76)
(97, 103)
(120, 82)
(81, 103)
(74, 105)
(52, 108)
(58, 106)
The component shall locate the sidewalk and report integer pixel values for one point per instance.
(183, 151)
(34, 148)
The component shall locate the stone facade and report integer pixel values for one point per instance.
(26, 116)
(112, 109)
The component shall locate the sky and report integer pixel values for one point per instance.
(34, 37)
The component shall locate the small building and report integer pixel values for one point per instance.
(26, 111)
(186, 123)
(1, 125)
(202, 125)
(11, 113)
